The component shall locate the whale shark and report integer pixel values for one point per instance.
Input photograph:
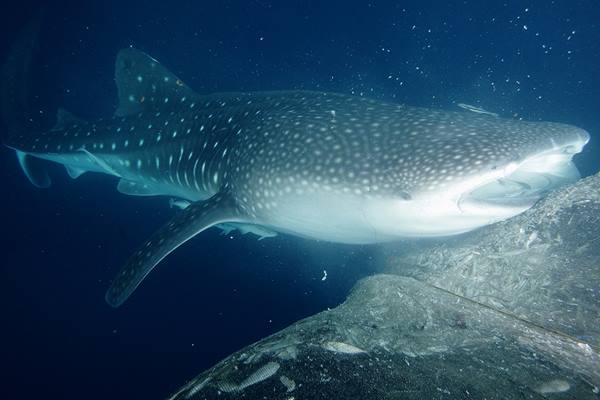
(326, 166)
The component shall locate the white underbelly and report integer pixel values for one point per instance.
(361, 219)
(324, 216)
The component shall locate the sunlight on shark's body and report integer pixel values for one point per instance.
(318, 165)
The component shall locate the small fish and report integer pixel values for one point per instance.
(179, 203)
(289, 384)
(476, 109)
(553, 386)
(190, 389)
(227, 387)
(261, 374)
(341, 347)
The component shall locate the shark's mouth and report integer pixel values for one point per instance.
(521, 185)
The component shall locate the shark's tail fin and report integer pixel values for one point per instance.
(14, 81)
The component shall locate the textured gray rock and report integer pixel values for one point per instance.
(509, 312)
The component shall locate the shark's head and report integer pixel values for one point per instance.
(478, 177)
(519, 184)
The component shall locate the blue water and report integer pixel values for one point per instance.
(60, 247)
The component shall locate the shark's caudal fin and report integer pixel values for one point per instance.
(143, 83)
(34, 169)
(185, 225)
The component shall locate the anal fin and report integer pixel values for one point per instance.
(75, 172)
(185, 225)
(99, 162)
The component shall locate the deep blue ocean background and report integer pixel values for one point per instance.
(537, 60)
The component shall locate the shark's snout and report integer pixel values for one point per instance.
(523, 183)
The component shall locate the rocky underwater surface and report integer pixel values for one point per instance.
(511, 311)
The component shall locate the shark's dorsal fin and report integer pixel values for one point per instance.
(143, 83)
(185, 225)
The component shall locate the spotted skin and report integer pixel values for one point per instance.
(320, 165)
(185, 225)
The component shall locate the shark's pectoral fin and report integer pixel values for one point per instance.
(34, 170)
(185, 225)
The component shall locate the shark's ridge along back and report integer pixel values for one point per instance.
(318, 165)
